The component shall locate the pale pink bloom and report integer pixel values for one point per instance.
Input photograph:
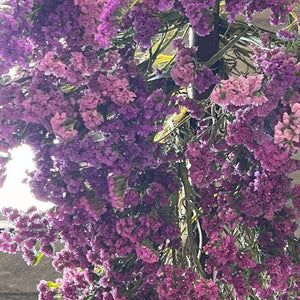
(239, 92)
(296, 109)
(287, 132)
(255, 83)
(259, 100)
(285, 119)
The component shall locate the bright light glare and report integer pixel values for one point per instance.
(15, 193)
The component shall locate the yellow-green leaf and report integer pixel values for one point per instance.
(38, 258)
(52, 284)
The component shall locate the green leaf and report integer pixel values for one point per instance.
(223, 50)
(66, 88)
(121, 184)
(38, 258)
(134, 3)
(52, 284)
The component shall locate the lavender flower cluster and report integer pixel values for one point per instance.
(133, 222)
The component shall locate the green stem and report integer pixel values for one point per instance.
(188, 192)
(221, 52)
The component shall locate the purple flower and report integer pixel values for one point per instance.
(198, 13)
(205, 79)
(144, 24)
(145, 254)
(107, 27)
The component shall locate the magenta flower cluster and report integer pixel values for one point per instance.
(279, 9)
(206, 212)
(185, 72)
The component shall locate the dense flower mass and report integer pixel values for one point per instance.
(184, 70)
(199, 15)
(168, 172)
(279, 9)
(287, 132)
(239, 92)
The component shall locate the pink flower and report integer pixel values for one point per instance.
(115, 89)
(51, 67)
(88, 109)
(183, 75)
(145, 254)
(287, 132)
(60, 129)
(254, 83)
(239, 92)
